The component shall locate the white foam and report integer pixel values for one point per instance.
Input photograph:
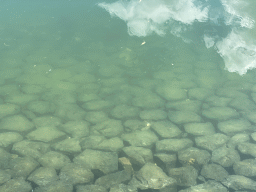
(144, 17)
(238, 54)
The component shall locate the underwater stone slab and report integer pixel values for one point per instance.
(173, 145)
(171, 94)
(199, 93)
(45, 134)
(238, 182)
(31, 148)
(47, 121)
(96, 117)
(140, 138)
(251, 116)
(134, 124)
(216, 101)
(106, 162)
(77, 129)
(5, 158)
(8, 109)
(70, 112)
(22, 166)
(247, 148)
(43, 176)
(76, 174)
(108, 128)
(91, 142)
(16, 123)
(21, 99)
(246, 167)
(90, 188)
(185, 105)
(244, 104)
(41, 107)
(220, 113)
(70, 145)
(166, 129)
(149, 101)
(8, 138)
(138, 155)
(253, 135)
(54, 159)
(234, 126)
(237, 139)
(193, 155)
(210, 185)
(16, 185)
(199, 129)
(112, 144)
(97, 105)
(214, 171)
(211, 142)
(113, 179)
(169, 160)
(5, 176)
(181, 117)
(150, 176)
(185, 176)
(56, 186)
(224, 156)
(155, 114)
(124, 111)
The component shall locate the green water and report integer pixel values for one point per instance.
(70, 53)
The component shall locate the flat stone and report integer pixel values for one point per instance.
(108, 128)
(8, 138)
(8, 109)
(239, 182)
(138, 155)
(140, 138)
(166, 129)
(54, 159)
(214, 171)
(173, 145)
(77, 129)
(124, 111)
(113, 179)
(31, 148)
(17, 184)
(182, 117)
(210, 185)
(185, 176)
(154, 114)
(199, 129)
(246, 167)
(43, 176)
(224, 156)
(220, 113)
(211, 142)
(247, 148)
(193, 155)
(150, 176)
(70, 145)
(45, 134)
(234, 126)
(106, 162)
(16, 123)
(237, 139)
(76, 174)
(185, 105)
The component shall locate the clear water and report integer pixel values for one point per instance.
(72, 47)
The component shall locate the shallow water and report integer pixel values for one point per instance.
(72, 61)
